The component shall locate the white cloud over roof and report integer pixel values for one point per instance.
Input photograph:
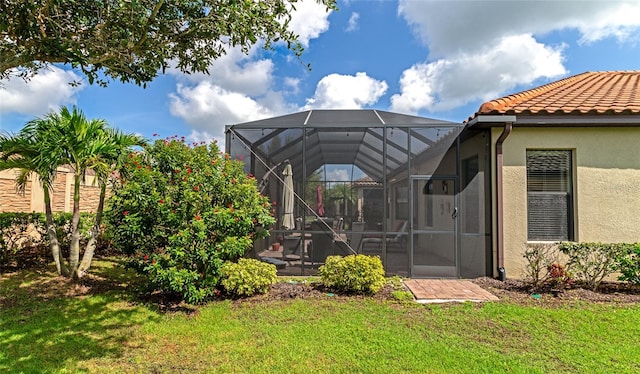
(450, 82)
(236, 71)
(239, 87)
(448, 27)
(208, 107)
(338, 91)
(482, 49)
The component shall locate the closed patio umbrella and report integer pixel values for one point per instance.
(320, 208)
(288, 221)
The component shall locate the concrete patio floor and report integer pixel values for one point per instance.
(447, 290)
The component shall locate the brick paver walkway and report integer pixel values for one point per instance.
(443, 290)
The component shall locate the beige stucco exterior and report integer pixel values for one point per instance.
(33, 198)
(606, 185)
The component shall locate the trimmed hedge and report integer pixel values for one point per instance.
(18, 230)
(590, 263)
(247, 277)
(629, 265)
(354, 273)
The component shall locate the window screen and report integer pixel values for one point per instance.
(549, 195)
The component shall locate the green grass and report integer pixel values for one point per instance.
(106, 332)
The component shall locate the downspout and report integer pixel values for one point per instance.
(502, 275)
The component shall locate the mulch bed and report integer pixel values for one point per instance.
(511, 290)
(520, 292)
(515, 291)
(301, 290)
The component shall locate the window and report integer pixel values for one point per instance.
(549, 195)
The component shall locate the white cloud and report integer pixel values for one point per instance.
(236, 71)
(207, 107)
(353, 22)
(45, 91)
(337, 91)
(338, 175)
(204, 136)
(238, 87)
(447, 83)
(293, 84)
(453, 26)
(309, 20)
(482, 49)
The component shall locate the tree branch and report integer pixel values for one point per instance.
(150, 20)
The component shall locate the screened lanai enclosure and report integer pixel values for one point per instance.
(412, 190)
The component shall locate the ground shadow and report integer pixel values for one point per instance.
(47, 323)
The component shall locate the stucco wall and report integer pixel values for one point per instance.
(606, 185)
(33, 199)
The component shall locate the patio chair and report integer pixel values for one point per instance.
(398, 240)
(292, 245)
(278, 263)
(321, 240)
(354, 237)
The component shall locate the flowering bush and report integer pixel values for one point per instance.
(181, 211)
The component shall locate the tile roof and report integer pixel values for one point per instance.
(608, 92)
(366, 181)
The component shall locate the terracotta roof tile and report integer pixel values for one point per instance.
(609, 92)
(366, 181)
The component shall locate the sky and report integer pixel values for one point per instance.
(437, 59)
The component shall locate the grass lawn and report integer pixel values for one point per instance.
(106, 330)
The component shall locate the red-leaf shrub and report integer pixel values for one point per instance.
(183, 213)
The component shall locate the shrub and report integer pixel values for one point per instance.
(402, 295)
(355, 273)
(17, 230)
(247, 277)
(538, 257)
(558, 276)
(629, 264)
(590, 263)
(181, 211)
(62, 222)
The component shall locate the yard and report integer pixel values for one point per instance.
(106, 324)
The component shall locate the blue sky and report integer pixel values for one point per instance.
(438, 59)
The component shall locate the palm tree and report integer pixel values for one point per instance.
(35, 150)
(89, 145)
(111, 160)
(81, 144)
(67, 138)
(342, 192)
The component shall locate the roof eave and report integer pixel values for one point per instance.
(568, 120)
(579, 120)
(492, 120)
